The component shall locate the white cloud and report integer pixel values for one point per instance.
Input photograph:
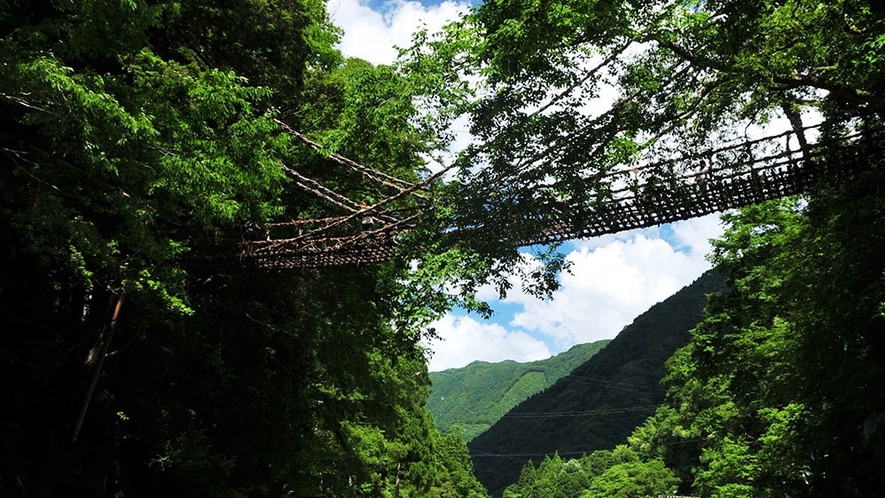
(694, 235)
(613, 279)
(608, 286)
(465, 340)
(374, 36)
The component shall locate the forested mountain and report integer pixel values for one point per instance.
(601, 402)
(469, 400)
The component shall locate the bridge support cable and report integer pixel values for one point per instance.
(651, 198)
(370, 173)
(671, 185)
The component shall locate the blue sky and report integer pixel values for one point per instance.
(614, 278)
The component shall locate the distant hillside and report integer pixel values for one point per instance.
(600, 403)
(475, 397)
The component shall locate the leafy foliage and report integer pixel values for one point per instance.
(770, 397)
(603, 473)
(778, 391)
(135, 137)
(565, 99)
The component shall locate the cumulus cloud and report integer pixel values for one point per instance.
(608, 286)
(465, 340)
(613, 279)
(375, 35)
(694, 235)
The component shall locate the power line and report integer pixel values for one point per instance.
(606, 411)
(615, 385)
(512, 456)
(529, 455)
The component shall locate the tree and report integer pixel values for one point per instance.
(772, 395)
(634, 479)
(568, 98)
(136, 138)
(617, 472)
(756, 396)
(455, 478)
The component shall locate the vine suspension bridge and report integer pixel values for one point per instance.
(685, 186)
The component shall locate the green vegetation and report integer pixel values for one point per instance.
(615, 473)
(469, 400)
(602, 401)
(568, 100)
(136, 138)
(779, 392)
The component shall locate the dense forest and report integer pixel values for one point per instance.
(471, 399)
(138, 136)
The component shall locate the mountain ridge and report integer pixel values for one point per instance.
(598, 404)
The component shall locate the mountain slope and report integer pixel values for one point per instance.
(472, 398)
(600, 402)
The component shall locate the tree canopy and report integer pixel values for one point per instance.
(136, 136)
(779, 391)
(568, 102)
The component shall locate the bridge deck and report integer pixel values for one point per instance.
(641, 197)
